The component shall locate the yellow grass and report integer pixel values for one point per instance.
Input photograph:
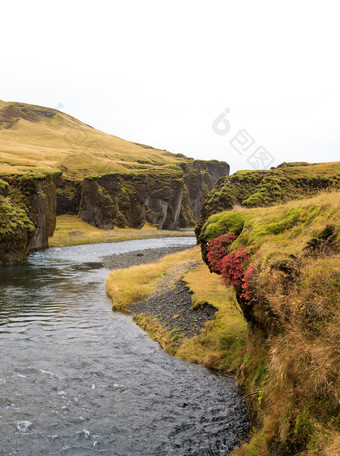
(221, 343)
(126, 286)
(71, 230)
(63, 142)
(312, 214)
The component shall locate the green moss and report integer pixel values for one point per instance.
(13, 221)
(293, 334)
(3, 188)
(218, 224)
(269, 187)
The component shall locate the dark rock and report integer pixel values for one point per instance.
(161, 198)
(27, 215)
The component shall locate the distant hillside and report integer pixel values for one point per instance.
(52, 164)
(37, 137)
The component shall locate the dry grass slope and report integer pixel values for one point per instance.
(292, 361)
(37, 137)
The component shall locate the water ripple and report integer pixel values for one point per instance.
(77, 378)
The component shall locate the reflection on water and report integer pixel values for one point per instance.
(78, 379)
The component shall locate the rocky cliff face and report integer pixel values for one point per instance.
(27, 214)
(29, 202)
(161, 198)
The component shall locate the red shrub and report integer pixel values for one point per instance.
(217, 249)
(234, 265)
(248, 293)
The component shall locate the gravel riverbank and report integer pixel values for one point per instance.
(171, 302)
(173, 307)
(128, 259)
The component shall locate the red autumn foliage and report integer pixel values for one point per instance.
(248, 293)
(217, 249)
(62, 180)
(234, 265)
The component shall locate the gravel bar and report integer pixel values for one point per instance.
(125, 260)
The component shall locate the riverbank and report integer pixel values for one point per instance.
(184, 307)
(71, 230)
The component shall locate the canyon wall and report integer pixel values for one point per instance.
(30, 202)
(167, 199)
(27, 214)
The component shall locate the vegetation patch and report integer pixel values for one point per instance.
(284, 266)
(13, 220)
(267, 188)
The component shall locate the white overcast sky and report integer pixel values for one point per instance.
(160, 72)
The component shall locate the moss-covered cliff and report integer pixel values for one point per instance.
(27, 213)
(269, 187)
(284, 264)
(166, 199)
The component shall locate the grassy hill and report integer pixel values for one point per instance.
(37, 137)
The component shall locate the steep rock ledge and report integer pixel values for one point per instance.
(27, 214)
(164, 198)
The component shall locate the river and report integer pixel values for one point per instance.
(79, 379)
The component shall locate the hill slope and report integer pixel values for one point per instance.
(51, 163)
(38, 137)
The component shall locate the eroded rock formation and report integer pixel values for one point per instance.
(165, 199)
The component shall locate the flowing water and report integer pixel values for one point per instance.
(79, 379)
